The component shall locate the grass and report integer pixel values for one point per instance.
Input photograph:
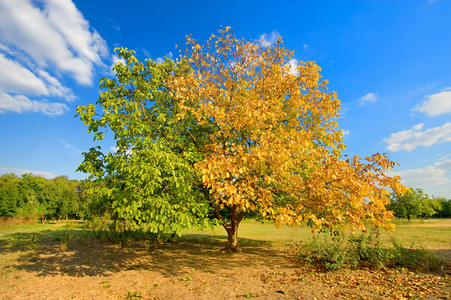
(7, 222)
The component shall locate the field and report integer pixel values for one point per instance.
(58, 261)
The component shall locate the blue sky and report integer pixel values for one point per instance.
(389, 62)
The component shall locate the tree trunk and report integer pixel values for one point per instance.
(232, 244)
(232, 229)
(408, 217)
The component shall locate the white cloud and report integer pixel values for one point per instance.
(56, 36)
(370, 97)
(432, 175)
(410, 139)
(168, 55)
(305, 46)
(444, 164)
(39, 40)
(22, 171)
(429, 176)
(16, 79)
(55, 88)
(115, 25)
(268, 40)
(293, 64)
(21, 104)
(72, 149)
(146, 53)
(345, 132)
(436, 104)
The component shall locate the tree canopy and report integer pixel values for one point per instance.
(232, 127)
(414, 202)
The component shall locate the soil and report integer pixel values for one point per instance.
(192, 268)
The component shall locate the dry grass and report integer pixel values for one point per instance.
(9, 222)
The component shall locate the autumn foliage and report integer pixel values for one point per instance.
(260, 135)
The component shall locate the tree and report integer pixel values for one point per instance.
(62, 198)
(9, 195)
(273, 146)
(31, 202)
(414, 202)
(445, 207)
(232, 128)
(429, 207)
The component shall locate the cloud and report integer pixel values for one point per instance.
(41, 41)
(345, 132)
(21, 104)
(57, 35)
(432, 175)
(16, 79)
(370, 97)
(146, 53)
(72, 149)
(168, 55)
(22, 171)
(436, 104)
(268, 40)
(115, 25)
(409, 140)
(293, 64)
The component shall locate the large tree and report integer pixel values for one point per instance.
(234, 127)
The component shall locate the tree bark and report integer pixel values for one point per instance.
(232, 233)
(232, 229)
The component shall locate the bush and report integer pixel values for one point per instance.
(332, 251)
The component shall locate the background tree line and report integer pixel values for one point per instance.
(62, 198)
(35, 196)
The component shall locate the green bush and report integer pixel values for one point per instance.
(333, 251)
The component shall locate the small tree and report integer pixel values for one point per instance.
(413, 203)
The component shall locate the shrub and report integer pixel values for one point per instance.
(332, 251)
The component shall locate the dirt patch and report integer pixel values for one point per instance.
(191, 268)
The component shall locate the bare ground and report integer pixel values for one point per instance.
(192, 268)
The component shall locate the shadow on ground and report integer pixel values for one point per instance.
(75, 254)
